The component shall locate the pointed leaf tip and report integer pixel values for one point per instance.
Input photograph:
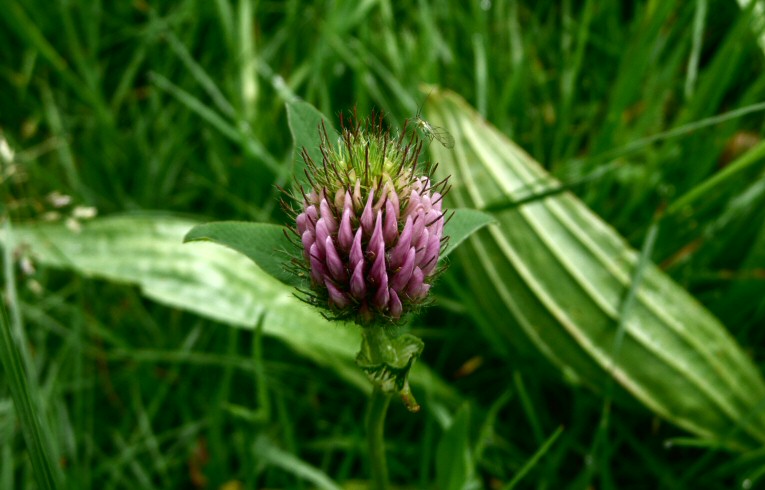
(304, 122)
(463, 223)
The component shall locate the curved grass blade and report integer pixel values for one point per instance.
(23, 386)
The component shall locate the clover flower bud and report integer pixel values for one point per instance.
(370, 224)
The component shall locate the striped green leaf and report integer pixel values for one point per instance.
(551, 273)
(207, 279)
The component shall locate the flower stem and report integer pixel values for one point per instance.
(378, 407)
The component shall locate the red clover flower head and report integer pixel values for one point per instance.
(370, 225)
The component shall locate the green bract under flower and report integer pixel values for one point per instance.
(370, 224)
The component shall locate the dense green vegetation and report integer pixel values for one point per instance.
(176, 113)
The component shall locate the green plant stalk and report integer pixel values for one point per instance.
(698, 193)
(378, 347)
(17, 368)
(378, 407)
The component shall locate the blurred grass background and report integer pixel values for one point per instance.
(179, 107)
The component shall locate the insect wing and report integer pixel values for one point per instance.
(435, 132)
(442, 136)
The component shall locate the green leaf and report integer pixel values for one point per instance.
(206, 279)
(463, 223)
(265, 244)
(305, 123)
(265, 451)
(554, 276)
(387, 360)
(454, 460)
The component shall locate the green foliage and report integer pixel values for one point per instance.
(463, 223)
(207, 280)
(22, 383)
(263, 243)
(305, 124)
(454, 460)
(266, 245)
(180, 107)
(577, 292)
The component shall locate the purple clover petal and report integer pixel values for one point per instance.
(358, 285)
(414, 285)
(336, 297)
(401, 278)
(390, 228)
(425, 201)
(430, 260)
(356, 255)
(437, 199)
(437, 227)
(321, 236)
(418, 225)
(420, 246)
(334, 264)
(328, 216)
(345, 234)
(307, 240)
(377, 242)
(367, 216)
(398, 254)
(313, 216)
(318, 271)
(300, 221)
(377, 274)
(396, 308)
(414, 204)
(393, 197)
(382, 296)
(431, 218)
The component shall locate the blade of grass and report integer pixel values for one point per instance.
(534, 459)
(265, 451)
(693, 60)
(249, 87)
(200, 75)
(528, 407)
(749, 159)
(248, 143)
(23, 386)
(601, 440)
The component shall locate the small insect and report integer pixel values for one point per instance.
(433, 132)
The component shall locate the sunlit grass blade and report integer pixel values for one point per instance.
(24, 390)
(534, 459)
(265, 451)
